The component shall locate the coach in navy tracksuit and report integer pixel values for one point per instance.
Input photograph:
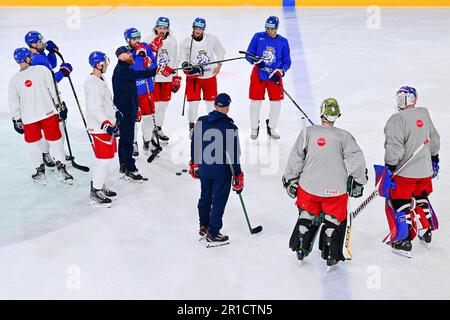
(126, 100)
(214, 136)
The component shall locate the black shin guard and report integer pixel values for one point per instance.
(304, 241)
(331, 246)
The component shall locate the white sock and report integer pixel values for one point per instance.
(44, 146)
(193, 111)
(58, 150)
(255, 110)
(209, 106)
(161, 108)
(100, 172)
(147, 127)
(274, 114)
(36, 152)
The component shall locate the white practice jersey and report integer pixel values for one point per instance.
(204, 51)
(99, 104)
(32, 94)
(167, 55)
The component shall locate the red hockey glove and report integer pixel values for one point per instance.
(147, 62)
(139, 115)
(238, 183)
(166, 71)
(194, 170)
(110, 129)
(141, 50)
(176, 83)
(156, 43)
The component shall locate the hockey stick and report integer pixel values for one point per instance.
(280, 86)
(78, 104)
(59, 108)
(375, 192)
(185, 89)
(206, 64)
(155, 130)
(252, 230)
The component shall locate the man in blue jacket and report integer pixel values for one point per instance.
(214, 145)
(274, 59)
(126, 100)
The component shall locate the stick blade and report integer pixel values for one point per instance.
(79, 167)
(256, 230)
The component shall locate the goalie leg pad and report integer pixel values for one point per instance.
(332, 238)
(305, 232)
(427, 216)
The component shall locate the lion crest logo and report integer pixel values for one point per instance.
(163, 58)
(269, 55)
(202, 57)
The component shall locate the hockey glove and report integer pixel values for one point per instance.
(139, 115)
(194, 170)
(63, 112)
(435, 164)
(147, 63)
(354, 189)
(276, 75)
(391, 169)
(291, 186)
(238, 183)
(110, 129)
(141, 50)
(166, 71)
(66, 69)
(176, 83)
(18, 125)
(51, 46)
(190, 70)
(156, 43)
(119, 116)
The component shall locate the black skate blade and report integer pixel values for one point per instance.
(406, 254)
(215, 244)
(256, 230)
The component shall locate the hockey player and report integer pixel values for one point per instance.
(213, 168)
(126, 100)
(274, 59)
(101, 117)
(404, 132)
(143, 59)
(325, 167)
(38, 45)
(198, 49)
(167, 54)
(31, 102)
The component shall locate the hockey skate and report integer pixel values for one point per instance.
(155, 150)
(425, 239)
(48, 161)
(217, 241)
(64, 176)
(162, 136)
(133, 176)
(109, 193)
(402, 248)
(146, 146)
(98, 199)
(135, 149)
(203, 231)
(331, 264)
(255, 133)
(271, 132)
(39, 176)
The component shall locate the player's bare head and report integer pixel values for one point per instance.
(198, 27)
(162, 27)
(222, 103)
(271, 26)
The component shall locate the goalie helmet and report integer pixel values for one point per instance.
(330, 110)
(406, 96)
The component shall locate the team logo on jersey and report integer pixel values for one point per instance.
(269, 55)
(321, 142)
(419, 123)
(202, 57)
(28, 83)
(331, 192)
(163, 58)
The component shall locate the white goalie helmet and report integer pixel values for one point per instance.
(406, 96)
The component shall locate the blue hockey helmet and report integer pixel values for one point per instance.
(406, 96)
(131, 33)
(272, 22)
(163, 22)
(199, 23)
(21, 54)
(97, 57)
(33, 37)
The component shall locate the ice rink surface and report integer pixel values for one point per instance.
(54, 245)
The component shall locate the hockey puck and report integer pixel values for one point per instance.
(178, 173)
(184, 170)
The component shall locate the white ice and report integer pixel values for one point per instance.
(53, 245)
